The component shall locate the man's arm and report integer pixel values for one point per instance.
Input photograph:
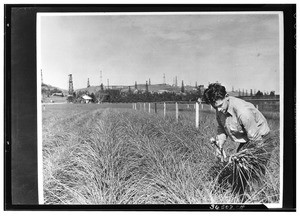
(221, 134)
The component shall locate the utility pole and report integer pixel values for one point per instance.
(107, 83)
(164, 79)
(88, 83)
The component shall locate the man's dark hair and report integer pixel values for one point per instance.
(214, 92)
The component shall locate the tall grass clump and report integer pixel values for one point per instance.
(111, 156)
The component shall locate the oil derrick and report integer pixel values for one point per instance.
(135, 86)
(101, 78)
(146, 87)
(42, 76)
(71, 90)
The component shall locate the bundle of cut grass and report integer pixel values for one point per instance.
(246, 167)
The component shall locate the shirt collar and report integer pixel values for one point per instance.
(230, 107)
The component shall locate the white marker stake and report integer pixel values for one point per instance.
(176, 104)
(197, 115)
(188, 106)
(164, 109)
(149, 108)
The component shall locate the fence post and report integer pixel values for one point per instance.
(176, 105)
(164, 109)
(149, 107)
(197, 115)
(155, 108)
(135, 106)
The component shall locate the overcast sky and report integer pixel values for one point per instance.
(238, 50)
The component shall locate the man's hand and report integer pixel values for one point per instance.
(220, 153)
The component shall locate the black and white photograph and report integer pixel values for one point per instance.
(160, 108)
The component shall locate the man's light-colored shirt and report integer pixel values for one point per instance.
(242, 122)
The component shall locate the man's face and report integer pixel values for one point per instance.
(221, 105)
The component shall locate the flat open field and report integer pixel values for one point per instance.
(112, 154)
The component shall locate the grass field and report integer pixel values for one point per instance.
(112, 154)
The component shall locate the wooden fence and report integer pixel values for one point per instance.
(154, 107)
(196, 107)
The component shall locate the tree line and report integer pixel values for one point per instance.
(118, 96)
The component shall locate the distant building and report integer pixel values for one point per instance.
(58, 94)
(163, 91)
(87, 98)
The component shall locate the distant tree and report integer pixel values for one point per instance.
(272, 93)
(114, 95)
(182, 87)
(259, 94)
(70, 99)
(199, 92)
(129, 89)
(100, 96)
(92, 95)
(101, 87)
(55, 90)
